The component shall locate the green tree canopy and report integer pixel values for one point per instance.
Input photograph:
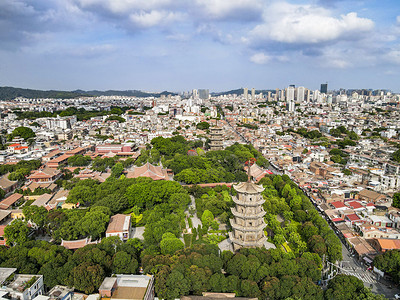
(203, 125)
(23, 132)
(396, 156)
(16, 232)
(170, 244)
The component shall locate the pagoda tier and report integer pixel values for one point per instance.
(245, 228)
(248, 203)
(244, 214)
(248, 223)
(241, 243)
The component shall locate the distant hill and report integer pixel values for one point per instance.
(9, 93)
(131, 93)
(240, 92)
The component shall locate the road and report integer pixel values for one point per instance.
(237, 132)
(350, 265)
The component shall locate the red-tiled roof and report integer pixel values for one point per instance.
(6, 203)
(77, 244)
(337, 220)
(148, 170)
(353, 217)
(2, 242)
(389, 244)
(117, 223)
(338, 204)
(15, 145)
(355, 204)
(2, 229)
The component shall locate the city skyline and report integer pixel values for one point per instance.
(180, 45)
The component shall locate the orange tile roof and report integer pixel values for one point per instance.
(148, 170)
(6, 203)
(117, 223)
(389, 244)
(60, 158)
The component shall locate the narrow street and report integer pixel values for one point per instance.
(351, 266)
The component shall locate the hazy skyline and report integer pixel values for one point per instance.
(179, 45)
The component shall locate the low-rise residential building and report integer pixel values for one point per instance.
(120, 225)
(383, 245)
(22, 286)
(10, 201)
(46, 174)
(60, 292)
(128, 287)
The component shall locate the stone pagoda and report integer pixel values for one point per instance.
(216, 138)
(248, 222)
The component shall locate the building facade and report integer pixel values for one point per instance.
(248, 222)
(216, 138)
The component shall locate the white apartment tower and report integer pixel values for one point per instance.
(290, 93)
(300, 94)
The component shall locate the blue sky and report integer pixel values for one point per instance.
(179, 45)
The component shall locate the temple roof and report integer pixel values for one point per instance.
(248, 187)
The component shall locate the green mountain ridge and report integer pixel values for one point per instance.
(9, 93)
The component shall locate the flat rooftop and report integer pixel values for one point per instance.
(132, 293)
(5, 273)
(133, 280)
(20, 281)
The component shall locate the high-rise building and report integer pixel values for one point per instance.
(245, 93)
(290, 93)
(300, 94)
(290, 105)
(204, 94)
(195, 93)
(324, 88)
(307, 95)
(248, 217)
(253, 94)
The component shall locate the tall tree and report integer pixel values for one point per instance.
(16, 232)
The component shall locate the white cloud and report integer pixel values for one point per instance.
(393, 56)
(398, 20)
(306, 24)
(260, 58)
(126, 6)
(154, 18)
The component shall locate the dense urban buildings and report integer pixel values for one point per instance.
(134, 180)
